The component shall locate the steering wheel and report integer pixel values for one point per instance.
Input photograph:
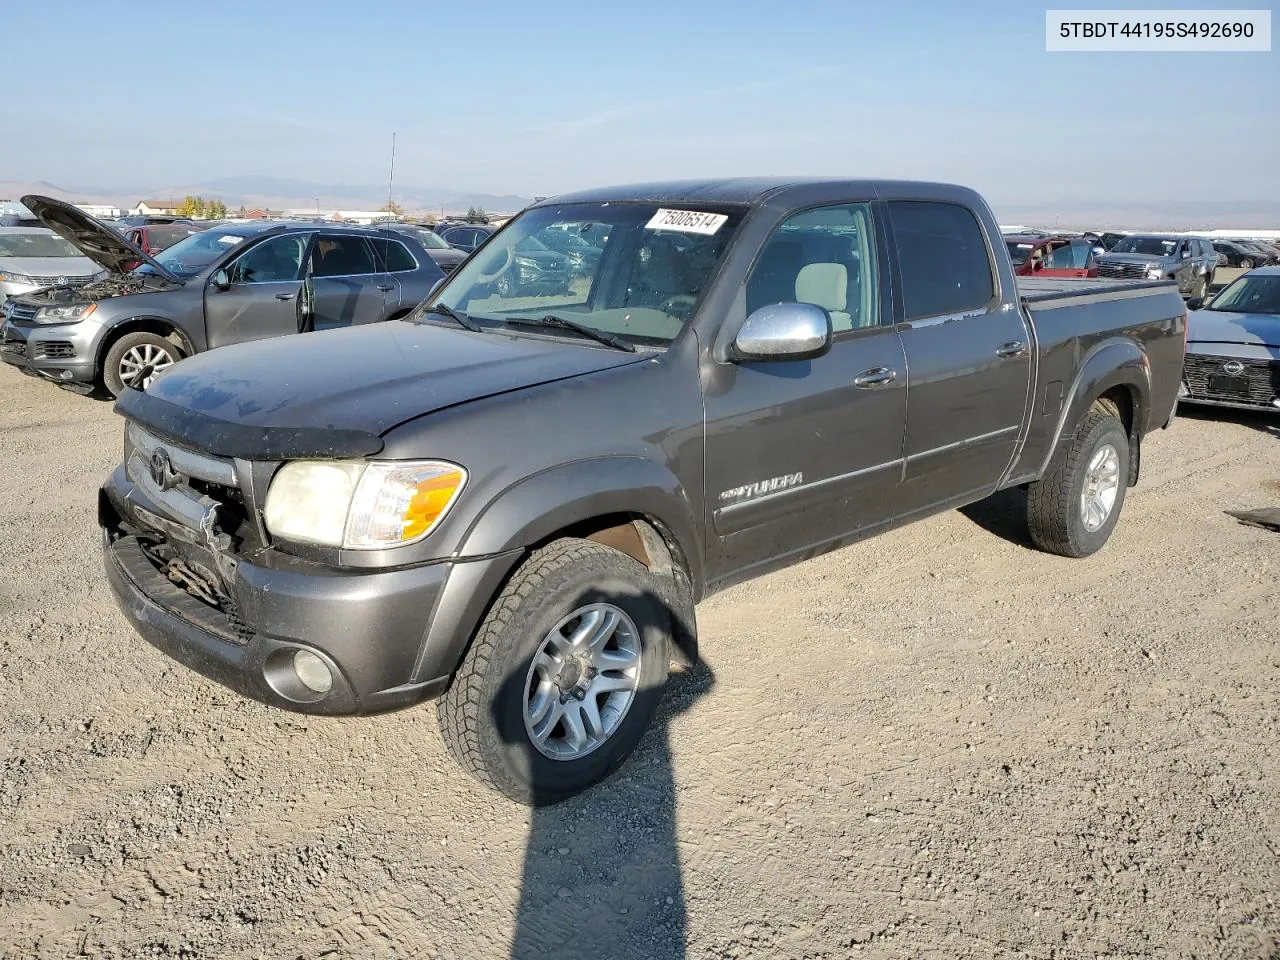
(506, 265)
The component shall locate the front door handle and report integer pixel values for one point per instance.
(388, 288)
(284, 296)
(1014, 348)
(875, 377)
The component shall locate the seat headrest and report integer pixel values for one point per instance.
(823, 284)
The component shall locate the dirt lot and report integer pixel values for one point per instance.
(935, 744)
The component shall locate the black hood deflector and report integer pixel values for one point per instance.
(191, 428)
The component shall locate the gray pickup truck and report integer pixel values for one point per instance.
(513, 503)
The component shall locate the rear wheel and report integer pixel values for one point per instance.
(1072, 510)
(1246, 263)
(563, 676)
(128, 360)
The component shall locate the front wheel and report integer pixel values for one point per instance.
(563, 676)
(126, 363)
(1073, 508)
(1246, 263)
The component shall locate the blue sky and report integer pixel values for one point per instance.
(541, 98)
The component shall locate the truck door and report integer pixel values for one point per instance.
(262, 300)
(345, 281)
(803, 453)
(968, 355)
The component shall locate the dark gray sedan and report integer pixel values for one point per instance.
(230, 284)
(1233, 345)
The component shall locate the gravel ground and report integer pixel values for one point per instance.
(936, 744)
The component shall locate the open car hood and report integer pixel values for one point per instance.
(96, 241)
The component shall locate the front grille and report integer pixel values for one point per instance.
(54, 350)
(1122, 271)
(18, 311)
(1257, 384)
(58, 281)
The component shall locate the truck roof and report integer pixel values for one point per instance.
(756, 190)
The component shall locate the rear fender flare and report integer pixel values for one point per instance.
(1111, 363)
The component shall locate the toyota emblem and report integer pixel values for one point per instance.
(162, 470)
(1233, 367)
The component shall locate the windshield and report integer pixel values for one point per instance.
(643, 287)
(1250, 294)
(188, 257)
(1154, 246)
(1019, 252)
(36, 245)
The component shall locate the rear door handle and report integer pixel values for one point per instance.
(875, 377)
(388, 288)
(1014, 348)
(284, 296)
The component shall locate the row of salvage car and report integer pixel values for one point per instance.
(97, 309)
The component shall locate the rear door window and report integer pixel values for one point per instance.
(942, 258)
(339, 255)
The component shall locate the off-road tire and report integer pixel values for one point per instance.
(1053, 501)
(482, 714)
(112, 381)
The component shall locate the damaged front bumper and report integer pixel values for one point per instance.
(387, 638)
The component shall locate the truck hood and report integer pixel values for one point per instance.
(1221, 326)
(365, 379)
(96, 241)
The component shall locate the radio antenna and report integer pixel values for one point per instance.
(392, 178)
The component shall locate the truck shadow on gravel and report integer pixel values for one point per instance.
(602, 871)
(1005, 514)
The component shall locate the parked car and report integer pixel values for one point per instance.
(581, 255)
(35, 258)
(1190, 261)
(1240, 255)
(535, 269)
(446, 257)
(515, 505)
(1233, 345)
(216, 287)
(143, 219)
(1267, 254)
(467, 236)
(1053, 256)
(153, 238)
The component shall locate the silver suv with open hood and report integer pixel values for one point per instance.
(229, 284)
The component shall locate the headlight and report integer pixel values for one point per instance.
(1155, 273)
(19, 278)
(68, 314)
(361, 505)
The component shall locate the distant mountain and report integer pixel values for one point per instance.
(279, 194)
(1122, 214)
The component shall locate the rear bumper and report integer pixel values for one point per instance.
(390, 639)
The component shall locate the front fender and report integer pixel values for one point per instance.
(1112, 363)
(535, 508)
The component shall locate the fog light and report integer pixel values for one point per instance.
(65, 375)
(313, 673)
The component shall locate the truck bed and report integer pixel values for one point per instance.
(1041, 292)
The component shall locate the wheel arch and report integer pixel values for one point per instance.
(1116, 376)
(160, 326)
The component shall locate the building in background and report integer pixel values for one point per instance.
(100, 210)
(156, 208)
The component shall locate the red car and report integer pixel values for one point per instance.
(1034, 255)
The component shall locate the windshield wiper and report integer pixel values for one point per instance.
(551, 320)
(452, 314)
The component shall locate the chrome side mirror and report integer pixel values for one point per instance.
(784, 331)
(222, 281)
